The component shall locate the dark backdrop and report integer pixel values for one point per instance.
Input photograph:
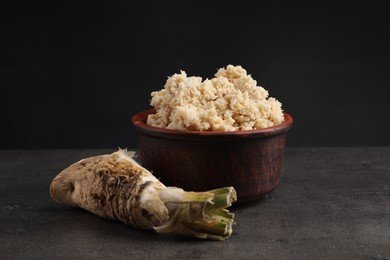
(73, 74)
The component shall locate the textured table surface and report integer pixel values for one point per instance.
(331, 203)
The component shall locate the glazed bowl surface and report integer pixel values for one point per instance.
(248, 160)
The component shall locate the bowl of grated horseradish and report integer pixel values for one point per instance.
(225, 131)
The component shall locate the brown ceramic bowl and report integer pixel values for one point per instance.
(249, 160)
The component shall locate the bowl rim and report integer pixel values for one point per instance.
(139, 122)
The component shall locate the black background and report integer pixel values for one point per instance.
(73, 74)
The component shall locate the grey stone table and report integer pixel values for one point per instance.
(331, 203)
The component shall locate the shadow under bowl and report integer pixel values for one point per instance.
(248, 160)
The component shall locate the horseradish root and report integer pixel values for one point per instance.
(116, 187)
